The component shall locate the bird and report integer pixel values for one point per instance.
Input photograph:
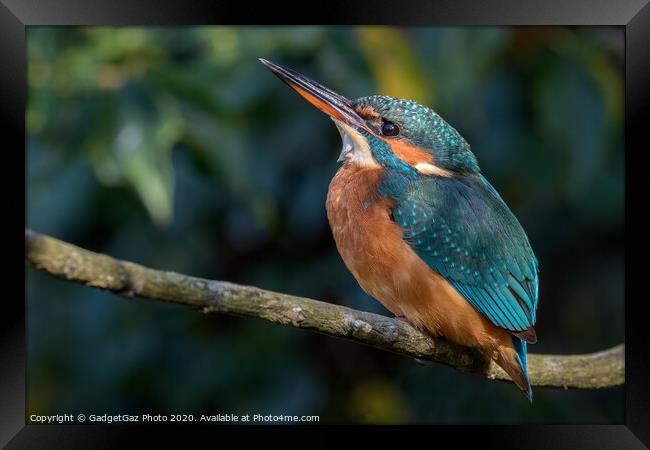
(422, 230)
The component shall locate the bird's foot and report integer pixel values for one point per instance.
(423, 362)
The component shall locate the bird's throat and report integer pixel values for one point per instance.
(355, 147)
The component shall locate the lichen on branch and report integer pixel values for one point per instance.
(72, 263)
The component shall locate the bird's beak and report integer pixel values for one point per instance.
(334, 105)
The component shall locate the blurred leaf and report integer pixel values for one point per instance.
(611, 85)
(139, 152)
(394, 65)
(377, 401)
(129, 127)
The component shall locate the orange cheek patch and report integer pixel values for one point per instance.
(318, 103)
(410, 154)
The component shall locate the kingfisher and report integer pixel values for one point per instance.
(422, 230)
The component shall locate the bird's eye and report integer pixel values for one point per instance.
(389, 129)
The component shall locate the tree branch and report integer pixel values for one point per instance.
(66, 261)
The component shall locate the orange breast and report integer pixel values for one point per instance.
(388, 269)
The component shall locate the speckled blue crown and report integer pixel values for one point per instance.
(425, 128)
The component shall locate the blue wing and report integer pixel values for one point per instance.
(463, 229)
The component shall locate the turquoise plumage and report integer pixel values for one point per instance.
(465, 232)
(423, 231)
(460, 225)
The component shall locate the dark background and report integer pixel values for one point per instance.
(175, 148)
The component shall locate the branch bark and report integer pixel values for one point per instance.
(66, 261)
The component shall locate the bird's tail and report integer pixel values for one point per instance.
(522, 351)
(513, 361)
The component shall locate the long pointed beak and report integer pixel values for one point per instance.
(334, 105)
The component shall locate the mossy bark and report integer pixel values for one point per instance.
(66, 261)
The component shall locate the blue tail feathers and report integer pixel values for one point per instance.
(521, 349)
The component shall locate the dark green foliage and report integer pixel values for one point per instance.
(177, 149)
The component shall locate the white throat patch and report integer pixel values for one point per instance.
(355, 147)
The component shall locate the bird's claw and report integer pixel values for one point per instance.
(423, 362)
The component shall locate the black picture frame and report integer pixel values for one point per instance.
(633, 15)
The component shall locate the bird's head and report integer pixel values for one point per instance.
(387, 132)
